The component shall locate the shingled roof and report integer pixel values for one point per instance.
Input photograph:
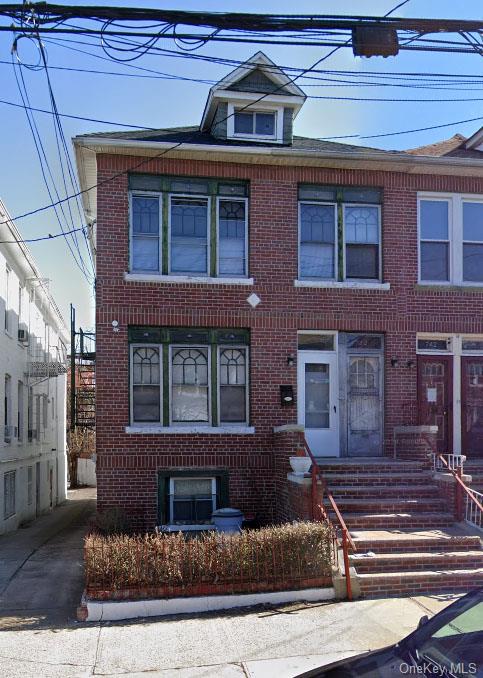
(193, 135)
(453, 147)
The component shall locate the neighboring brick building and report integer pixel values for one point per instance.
(238, 265)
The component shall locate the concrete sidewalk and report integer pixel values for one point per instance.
(41, 575)
(256, 643)
(41, 582)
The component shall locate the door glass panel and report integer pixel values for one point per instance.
(316, 342)
(317, 399)
(363, 395)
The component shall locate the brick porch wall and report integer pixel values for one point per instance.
(128, 463)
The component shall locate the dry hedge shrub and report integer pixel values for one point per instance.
(291, 551)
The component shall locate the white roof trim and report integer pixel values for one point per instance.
(18, 254)
(260, 60)
(257, 61)
(475, 142)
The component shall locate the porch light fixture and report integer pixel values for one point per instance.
(410, 363)
(394, 362)
(290, 360)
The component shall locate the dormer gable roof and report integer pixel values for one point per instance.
(258, 75)
(475, 142)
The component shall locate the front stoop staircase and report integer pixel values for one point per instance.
(407, 542)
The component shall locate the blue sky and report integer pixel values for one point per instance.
(165, 103)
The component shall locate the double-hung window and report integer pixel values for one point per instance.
(450, 239)
(182, 377)
(145, 234)
(9, 503)
(191, 500)
(255, 123)
(339, 233)
(188, 227)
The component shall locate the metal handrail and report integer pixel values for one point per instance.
(346, 540)
(461, 486)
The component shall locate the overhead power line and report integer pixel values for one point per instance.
(52, 13)
(177, 144)
(148, 128)
(366, 34)
(40, 238)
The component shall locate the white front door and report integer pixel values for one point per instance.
(318, 401)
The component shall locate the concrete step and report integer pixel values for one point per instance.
(376, 479)
(384, 491)
(388, 520)
(409, 541)
(390, 505)
(381, 465)
(416, 583)
(411, 562)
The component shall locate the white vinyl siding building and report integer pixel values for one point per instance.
(32, 347)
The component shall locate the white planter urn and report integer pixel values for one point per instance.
(300, 465)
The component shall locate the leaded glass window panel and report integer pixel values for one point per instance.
(189, 385)
(146, 384)
(231, 237)
(189, 235)
(317, 241)
(145, 234)
(233, 378)
(362, 242)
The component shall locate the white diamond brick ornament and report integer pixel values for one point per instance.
(253, 300)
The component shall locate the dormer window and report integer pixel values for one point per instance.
(256, 123)
(257, 102)
(264, 124)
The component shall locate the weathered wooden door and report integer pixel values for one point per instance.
(472, 406)
(435, 397)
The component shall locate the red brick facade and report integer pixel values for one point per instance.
(128, 463)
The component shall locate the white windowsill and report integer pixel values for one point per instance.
(183, 279)
(210, 430)
(450, 285)
(344, 285)
(186, 528)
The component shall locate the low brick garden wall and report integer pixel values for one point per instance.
(287, 557)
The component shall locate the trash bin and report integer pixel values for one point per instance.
(227, 520)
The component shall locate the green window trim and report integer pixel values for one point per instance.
(166, 186)
(187, 335)
(344, 196)
(210, 338)
(222, 487)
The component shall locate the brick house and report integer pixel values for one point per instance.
(250, 281)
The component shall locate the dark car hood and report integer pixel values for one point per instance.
(385, 663)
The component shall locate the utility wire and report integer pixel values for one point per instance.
(172, 148)
(326, 138)
(40, 238)
(321, 81)
(43, 161)
(70, 168)
(176, 145)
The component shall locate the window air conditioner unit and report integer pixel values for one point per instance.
(23, 335)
